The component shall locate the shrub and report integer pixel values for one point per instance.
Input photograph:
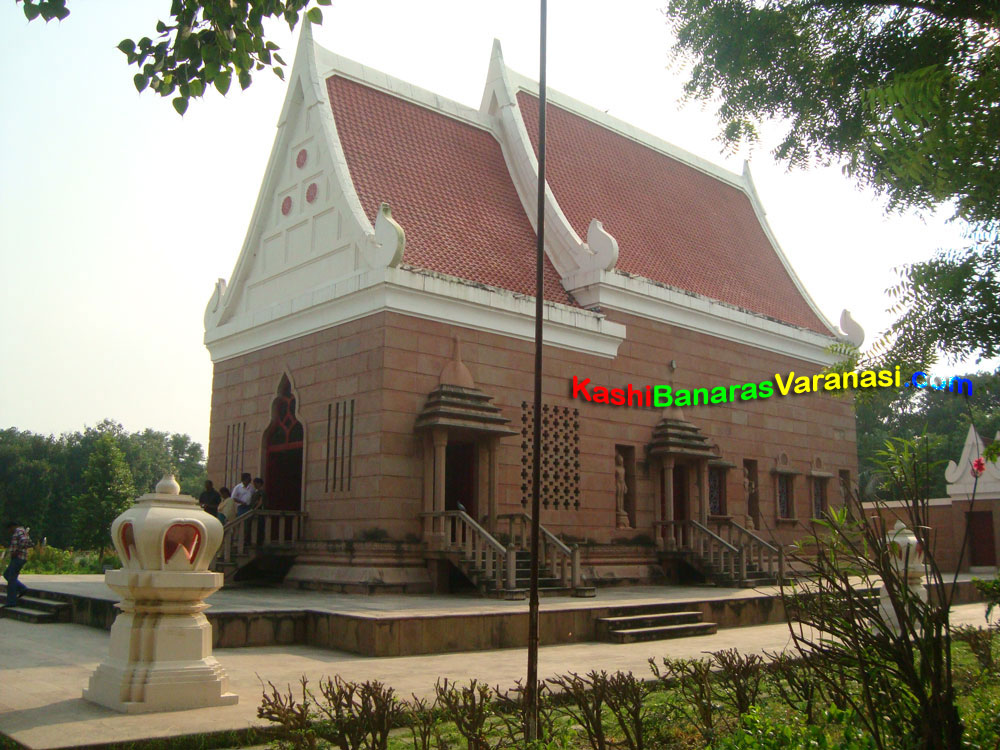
(797, 687)
(694, 682)
(626, 697)
(469, 706)
(585, 700)
(52, 560)
(741, 676)
(980, 642)
(990, 591)
(759, 733)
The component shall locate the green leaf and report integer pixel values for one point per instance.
(279, 72)
(140, 81)
(31, 11)
(127, 46)
(315, 15)
(222, 82)
(197, 88)
(278, 58)
(180, 104)
(324, 2)
(245, 80)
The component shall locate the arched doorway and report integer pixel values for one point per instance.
(283, 440)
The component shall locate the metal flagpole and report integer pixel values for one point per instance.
(531, 687)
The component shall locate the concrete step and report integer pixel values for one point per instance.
(662, 632)
(28, 614)
(649, 609)
(650, 620)
(54, 606)
(542, 582)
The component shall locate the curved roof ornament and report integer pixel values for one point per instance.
(850, 330)
(602, 245)
(213, 310)
(389, 239)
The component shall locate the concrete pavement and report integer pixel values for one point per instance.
(44, 668)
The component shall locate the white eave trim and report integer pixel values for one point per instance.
(613, 290)
(934, 502)
(420, 294)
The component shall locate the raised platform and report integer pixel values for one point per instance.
(404, 625)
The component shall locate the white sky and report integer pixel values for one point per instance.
(117, 216)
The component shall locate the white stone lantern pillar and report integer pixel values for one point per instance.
(161, 642)
(908, 560)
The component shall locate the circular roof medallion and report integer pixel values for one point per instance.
(286, 205)
(311, 192)
(300, 160)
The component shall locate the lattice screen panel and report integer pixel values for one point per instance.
(560, 470)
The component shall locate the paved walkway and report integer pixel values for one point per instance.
(392, 605)
(44, 668)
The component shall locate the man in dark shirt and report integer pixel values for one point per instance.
(209, 499)
(20, 543)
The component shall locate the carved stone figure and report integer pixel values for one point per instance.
(620, 490)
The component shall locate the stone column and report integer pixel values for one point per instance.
(428, 487)
(160, 657)
(494, 487)
(656, 467)
(668, 501)
(440, 437)
(703, 491)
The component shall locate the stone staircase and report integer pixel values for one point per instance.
(36, 607)
(259, 546)
(504, 571)
(548, 585)
(727, 555)
(722, 571)
(652, 622)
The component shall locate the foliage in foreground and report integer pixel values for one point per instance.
(201, 44)
(728, 700)
(897, 647)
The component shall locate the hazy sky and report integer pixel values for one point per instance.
(117, 215)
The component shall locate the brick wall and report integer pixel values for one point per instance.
(388, 363)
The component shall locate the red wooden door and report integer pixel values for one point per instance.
(982, 545)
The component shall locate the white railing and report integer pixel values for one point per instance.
(558, 559)
(259, 528)
(709, 547)
(458, 532)
(769, 558)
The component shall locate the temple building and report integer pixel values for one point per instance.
(373, 350)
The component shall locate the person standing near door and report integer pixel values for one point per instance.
(242, 494)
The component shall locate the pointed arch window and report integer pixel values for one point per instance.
(285, 430)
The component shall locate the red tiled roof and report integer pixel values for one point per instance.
(447, 184)
(674, 224)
